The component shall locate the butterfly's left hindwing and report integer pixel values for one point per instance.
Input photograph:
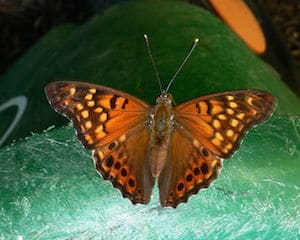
(189, 167)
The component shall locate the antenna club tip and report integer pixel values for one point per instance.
(196, 40)
(145, 36)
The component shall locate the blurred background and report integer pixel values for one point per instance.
(23, 22)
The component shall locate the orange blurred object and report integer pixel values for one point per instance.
(238, 16)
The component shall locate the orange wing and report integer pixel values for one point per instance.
(113, 124)
(189, 168)
(219, 121)
(208, 129)
(123, 162)
(99, 114)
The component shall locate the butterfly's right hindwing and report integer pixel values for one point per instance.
(123, 162)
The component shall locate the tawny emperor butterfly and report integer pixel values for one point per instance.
(181, 146)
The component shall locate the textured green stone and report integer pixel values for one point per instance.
(50, 190)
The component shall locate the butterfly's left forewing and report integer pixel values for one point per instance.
(112, 124)
(220, 121)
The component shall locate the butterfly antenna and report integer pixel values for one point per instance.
(153, 63)
(183, 63)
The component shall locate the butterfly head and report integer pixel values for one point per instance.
(165, 98)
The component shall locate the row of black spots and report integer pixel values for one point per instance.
(172, 196)
(203, 169)
(200, 152)
(193, 191)
(117, 165)
(110, 163)
(174, 200)
(190, 176)
(102, 165)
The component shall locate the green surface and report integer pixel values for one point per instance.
(50, 190)
(109, 50)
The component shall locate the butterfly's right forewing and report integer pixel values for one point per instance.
(99, 114)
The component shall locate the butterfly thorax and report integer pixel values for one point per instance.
(161, 124)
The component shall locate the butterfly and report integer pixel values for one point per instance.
(181, 147)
